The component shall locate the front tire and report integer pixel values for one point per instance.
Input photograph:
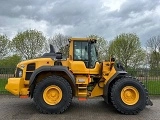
(52, 95)
(129, 96)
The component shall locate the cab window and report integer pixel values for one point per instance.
(81, 50)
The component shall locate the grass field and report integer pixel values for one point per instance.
(153, 86)
(3, 82)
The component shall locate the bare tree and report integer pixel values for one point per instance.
(4, 46)
(61, 43)
(102, 47)
(154, 51)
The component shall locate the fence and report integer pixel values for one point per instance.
(5, 73)
(150, 78)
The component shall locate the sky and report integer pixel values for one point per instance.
(80, 18)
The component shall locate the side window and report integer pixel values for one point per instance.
(80, 50)
(93, 55)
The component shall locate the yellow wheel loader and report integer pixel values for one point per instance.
(52, 82)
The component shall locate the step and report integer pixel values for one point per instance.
(82, 93)
(82, 87)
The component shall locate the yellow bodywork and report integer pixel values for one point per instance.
(19, 86)
(78, 67)
(97, 91)
(52, 81)
(39, 62)
(107, 73)
(83, 76)
(15, 86)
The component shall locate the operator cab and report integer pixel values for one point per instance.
(85, 51)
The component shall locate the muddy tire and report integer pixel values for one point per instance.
(52, 95)
(129, 96)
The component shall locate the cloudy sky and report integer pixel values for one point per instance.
(80, 18)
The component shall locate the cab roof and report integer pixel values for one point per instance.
(81, 39)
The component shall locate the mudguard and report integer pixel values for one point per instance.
(116, 76)
(51, 68)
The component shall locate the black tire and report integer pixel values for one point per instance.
(119, 102)
(65, 100)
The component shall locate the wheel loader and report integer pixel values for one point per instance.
(52, 82)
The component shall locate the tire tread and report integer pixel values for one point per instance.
(42, 82)
(121, 110)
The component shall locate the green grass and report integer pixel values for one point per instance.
(153, 87)
(3, 82)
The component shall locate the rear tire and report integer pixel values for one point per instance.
(129, 96)
(52, 95)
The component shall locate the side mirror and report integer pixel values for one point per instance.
(112, 59)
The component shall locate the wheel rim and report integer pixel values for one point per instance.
(52, 95)
(129, 95)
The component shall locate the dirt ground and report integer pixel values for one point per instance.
(12, 107)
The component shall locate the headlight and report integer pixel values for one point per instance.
(19, 73)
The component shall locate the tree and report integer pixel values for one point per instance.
(102, 47)
(10, 61)
(126, 48)
(154, 52)
(29, 44)
(8, 64)
(60, 43)
(4, 48)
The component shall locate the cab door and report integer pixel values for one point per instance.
(84, 58)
